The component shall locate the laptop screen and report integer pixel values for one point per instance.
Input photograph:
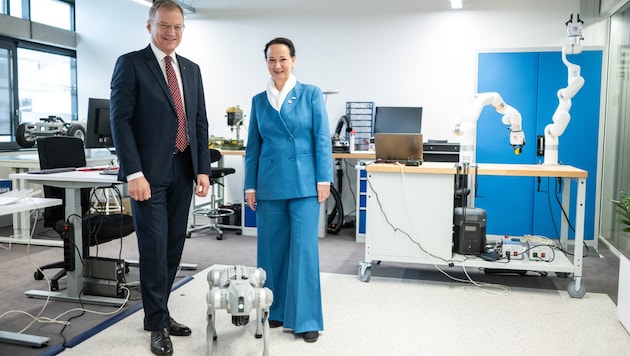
(399, 147)
(397, 119)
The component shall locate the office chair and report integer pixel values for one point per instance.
(215, 210)
(66, 152)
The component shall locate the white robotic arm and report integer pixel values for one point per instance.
(466, 125)
(561, 116)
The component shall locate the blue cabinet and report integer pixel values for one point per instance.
(361, 211)
(529, 82)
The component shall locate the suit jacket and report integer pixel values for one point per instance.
(289, 151)
(144, 119)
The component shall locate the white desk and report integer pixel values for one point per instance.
(72, 182)
(419, 200)
(21, 224)
(25, 205)
(23, 162)
(249, 230)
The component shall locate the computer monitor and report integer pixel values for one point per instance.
(98, 132)
(398, 119)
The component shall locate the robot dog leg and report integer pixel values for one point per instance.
(238, 289)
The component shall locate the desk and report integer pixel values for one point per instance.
(21, 206)
(26, 161)
(248, 220)
(21, 225)
(419, 200)
(72, 182)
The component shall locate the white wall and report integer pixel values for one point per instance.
(406, 54)
(393, 58)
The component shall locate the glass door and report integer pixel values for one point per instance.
(616, 168)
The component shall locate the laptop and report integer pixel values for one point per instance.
(398, 147)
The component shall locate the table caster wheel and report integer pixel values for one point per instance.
(576, 293)
(220, 237)
(365, 272)
(38, 275)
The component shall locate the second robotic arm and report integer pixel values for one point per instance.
(561, 116)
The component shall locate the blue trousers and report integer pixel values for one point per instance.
(288, 251)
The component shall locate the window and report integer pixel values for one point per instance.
(36, 80)
(7, 103)
(55, 13)
(46, 85)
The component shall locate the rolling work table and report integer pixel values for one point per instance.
(410, 218)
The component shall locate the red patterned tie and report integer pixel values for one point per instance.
(181, 141)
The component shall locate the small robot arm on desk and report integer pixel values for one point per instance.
(466, 125)
(561, 116)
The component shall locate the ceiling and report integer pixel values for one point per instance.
(212, 8)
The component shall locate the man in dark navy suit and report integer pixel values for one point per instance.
(160, 129)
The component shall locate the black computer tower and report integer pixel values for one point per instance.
(469, 231)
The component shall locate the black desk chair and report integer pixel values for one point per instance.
(218, 213)
(66, 152)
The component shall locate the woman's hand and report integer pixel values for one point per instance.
(323, 191)
(250, 199)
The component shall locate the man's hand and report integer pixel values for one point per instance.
(139, 189)
(203, 185)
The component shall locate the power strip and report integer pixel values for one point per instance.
(540, 252)
(67, 235)
(513, 247)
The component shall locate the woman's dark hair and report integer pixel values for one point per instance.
(281, 40)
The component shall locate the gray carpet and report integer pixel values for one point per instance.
(339, 254)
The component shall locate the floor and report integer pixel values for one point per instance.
(339, 254)
(393, 316)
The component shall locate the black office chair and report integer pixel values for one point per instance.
(216, 210)
(66, 152)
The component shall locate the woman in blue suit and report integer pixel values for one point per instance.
(288, 172)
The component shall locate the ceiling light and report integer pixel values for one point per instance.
(187, 8)
(456, 4)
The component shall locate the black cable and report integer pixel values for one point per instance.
(335, 218)
(559, 187)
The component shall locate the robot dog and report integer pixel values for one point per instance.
(239, 289)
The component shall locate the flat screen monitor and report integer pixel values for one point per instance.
(98, 132)
(398, 119)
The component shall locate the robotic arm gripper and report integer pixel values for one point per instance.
(561, 117)
(238, 289)
(466, 125)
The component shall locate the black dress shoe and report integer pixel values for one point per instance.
(275, 324)
(310, 336)
(177, 329)
(161, 342)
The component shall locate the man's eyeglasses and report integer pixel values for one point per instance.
(165, 27)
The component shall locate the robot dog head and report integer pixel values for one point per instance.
(239, 290)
